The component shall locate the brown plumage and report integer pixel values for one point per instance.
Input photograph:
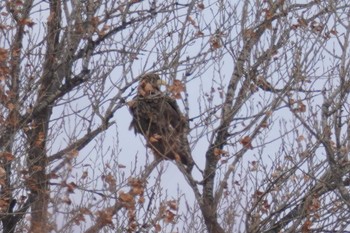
(157, 117)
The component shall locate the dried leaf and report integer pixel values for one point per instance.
(301, 107)
(157, 228)
(334, 32)
(3, 54)
(40, 139)
(169, 216)
(302, 22)
(220, 152)
(66, 200)
(199, 33)
(173, 205)
(121, 166)
(95, 21)
(126, 197)
(258, 193)
(215, 42)
(85, 211)
(7, 156)
(137, 191)
(79, 218)
(176, 88)
(73, 154)
(111, 181)
(200, 6)
(84, 175)
(254, 166)
(192, 21)
(300, 138)
(306, 226)
(249, 33)
(53, 175)
(11, 106)
(70, 187)
(28, 22)
(141, 200)
(247, 142)
(105, 217)
(264, 85)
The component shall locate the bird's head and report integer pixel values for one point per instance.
(149, 84)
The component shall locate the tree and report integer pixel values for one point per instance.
(264, 86)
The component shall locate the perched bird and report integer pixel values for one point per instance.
(158, 118)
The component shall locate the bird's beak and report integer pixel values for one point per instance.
(161, 82)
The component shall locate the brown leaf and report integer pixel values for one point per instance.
(173, 205)
(254, 166)
(258, 193)
(28, 22)
(192, 21)
(249, 33)
(220, 152)
(157, 228)
(200, 6)
(70, 187)
(334, 32)
(176, 88)
(3, 54)
(4, 202)
(79, 218)
(134, 182)
(52, 175)
(264, 85)
(300, 138)
(127, 199)
(105, 217)
(95, 21)
(302, 22)
(111, 181)
(169, 216)
(84, 175)
(137, 191)
(247, 142)
(121, 166)
(73, 154)
(67, 200)
(306, 226)
(199, 33)
(11, 106)
(215, 42)
(141, 200)
(85, 211)
(40, 139)
(301, 107)
(7, 156)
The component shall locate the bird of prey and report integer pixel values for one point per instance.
(158, 118)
